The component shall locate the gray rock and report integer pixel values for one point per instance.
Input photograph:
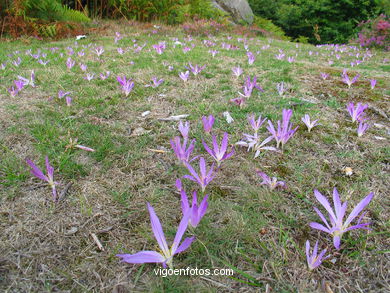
(238, 9)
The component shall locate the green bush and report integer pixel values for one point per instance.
(321, 21)
(270, 27)
(51, 10)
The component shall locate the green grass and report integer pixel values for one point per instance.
(258, 233)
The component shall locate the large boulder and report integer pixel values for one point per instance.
(238, 9)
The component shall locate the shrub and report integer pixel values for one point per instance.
(269, 27)
(375, 33)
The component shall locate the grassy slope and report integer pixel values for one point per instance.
(258, 232)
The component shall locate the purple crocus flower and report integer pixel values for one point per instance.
(252, 84)
(99, 51)
(160, 47)
(208, 123)
(89, 76)
(348, 81)
(2, 66)
(372, 83)
(127, 84)
(105, 76)
(310, 124)
(272, 183)
(26, 81)
(280, 88)
(237, 71)
(255, 124)
(19, 84)
(362, 128)
(204, 178)
(196, 69)
(196, 212)
(324, 76)
(13, 91)
(357, 113)
(337, 228)
(251, 58)
(62, 94)
(280, 56)
(284, 131)
(290, 59)
(83, 67)
(156, 82)
(43, 62)
(118, 37)
(240, 101)
(70, 63)
(219, 153)
(17, 62)
(213, 52)
(68, 101)
(184, 129)
(314, 260)
(181, 151)
(167, 254)
(49, 178)
(184, 75)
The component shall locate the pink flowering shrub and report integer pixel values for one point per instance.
(375, 32)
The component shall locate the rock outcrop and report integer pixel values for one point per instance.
(238, 9)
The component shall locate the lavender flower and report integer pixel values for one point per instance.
(83, 67)
(181, 151)
(290, 59)
(13, 91)
(126, 84)
(271, 183)
(240, 101)
(324, 76)
(314, 260)
(184, 129)
(237, 71)
(213, 52)
(204, 178)
(219, 153)
(255, 124)
(156, 82)
(43, 62)
(184, 75)
(30, 81)
(310, 124)
(196, 212)
(62, 94)
(89, 76)
(372, 83)
(362, 128)
(348, 81)
(19, 84)
(99, 51)
(251, 58)
(70, 63)
(160, 47)
(284, 131)
(357, 113)
(280, 88)
(105, 76)
(166, 257)
(49, 178)
(337, 228)
(196, 69)
(208, 123)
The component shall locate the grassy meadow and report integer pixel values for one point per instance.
(257, 232)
